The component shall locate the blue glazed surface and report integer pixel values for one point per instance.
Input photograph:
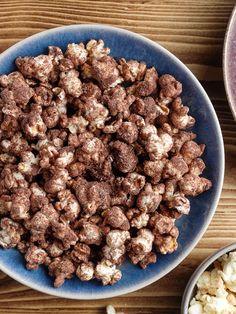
(131, 46)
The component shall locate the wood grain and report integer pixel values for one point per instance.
(193, 30)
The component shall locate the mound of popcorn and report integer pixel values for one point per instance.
(216, 288)
(96, 162)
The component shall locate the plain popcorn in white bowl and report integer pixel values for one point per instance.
(216, 288)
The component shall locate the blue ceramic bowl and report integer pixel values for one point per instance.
(131, 46)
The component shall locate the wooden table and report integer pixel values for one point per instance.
(194, 31)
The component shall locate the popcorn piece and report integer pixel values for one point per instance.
(179, 115)
(38, 225)
(16, 145)
(65, 157)
(90, 234)
(147, 86)
(10, 233)
(76, 53)
(197, 166)
(11, 109)
(20, 204)
(175, 167)
(38, 197)
(161, 224)
(55, 249)
(128, 132)
(116, 238)
(34, 257)
(105, 71)
(13, 179)
(114, 126)
(149, 198)
(116, 218)
(81, 253)
(51, 213)
(85, 271)
(16, 89)
(180, 138)
(70, 83)
(150, 258)
(96, 49)
(170, 87)
(148, 108)
(61, 99)
(5, 204)
(191, 150)
(56, 53)
(132, 70)
(92, 151)
(141, 245)
(107, 272)
(219, 305)
(51, 116)
(137, 120)
(140, 221)
(115, 255)
(47, 153)
(103, 171)
(63, 232)
(69, 204)
(211, 283)
(124, 157)
(77, 124)
(95, 113)
(35, 67)
(92, 195)
(76, 169)
(133, 183)
(179, 202)
(9, 126)
(33, 125)
(57, 182)
(195, 308)
(61, 269)
(90, 90)
(7, 159)
(165, 243)
(193, 185)
(29, 165)
(156, 145)
(154, 169)
(117, 100)
(43, 96)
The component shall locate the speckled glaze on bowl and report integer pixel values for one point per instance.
(131, 46)
(229, 62)
(190, 289)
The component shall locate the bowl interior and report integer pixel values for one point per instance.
(131, 46)
(191, 287)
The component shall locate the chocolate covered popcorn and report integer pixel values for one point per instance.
(96, 165)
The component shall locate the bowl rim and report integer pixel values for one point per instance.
(198, 272)
(125, 290)
(225, 60)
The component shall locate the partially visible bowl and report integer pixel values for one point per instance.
(190, 289)
(131, 46)
(229, 62)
